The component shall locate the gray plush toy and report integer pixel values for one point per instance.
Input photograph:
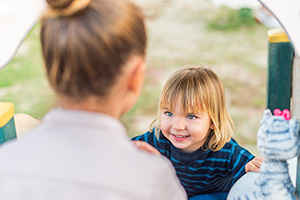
(277, 141)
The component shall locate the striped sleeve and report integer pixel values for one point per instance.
(240, 157)
(162, 144)
(148, 137)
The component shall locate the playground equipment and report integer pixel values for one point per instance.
(283, 87)
(19, 16)
(7, 122)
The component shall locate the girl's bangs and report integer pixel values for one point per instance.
(168, 100)
(192, 100)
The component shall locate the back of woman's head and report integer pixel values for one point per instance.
(85, 44)
(200, 90)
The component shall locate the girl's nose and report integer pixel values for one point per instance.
(178, 123)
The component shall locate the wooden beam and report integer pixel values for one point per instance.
(279, 77)
(296, 88)
(296, 108)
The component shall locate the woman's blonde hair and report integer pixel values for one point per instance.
(85, 44)
(201, 91)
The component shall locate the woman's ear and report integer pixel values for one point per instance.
(129, 85)
(137, 75)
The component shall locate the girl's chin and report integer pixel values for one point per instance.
(182, 147)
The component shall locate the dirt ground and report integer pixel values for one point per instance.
(178, 36)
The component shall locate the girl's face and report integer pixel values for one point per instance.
(186, 131)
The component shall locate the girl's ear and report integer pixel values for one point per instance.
(211, 126)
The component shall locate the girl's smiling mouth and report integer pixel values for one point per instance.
(180, 137)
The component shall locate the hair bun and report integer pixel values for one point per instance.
(59, 4)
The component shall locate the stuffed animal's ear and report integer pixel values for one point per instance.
(294, 126)
(267, 114)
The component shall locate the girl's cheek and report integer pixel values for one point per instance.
(164, 131)
(163, 125)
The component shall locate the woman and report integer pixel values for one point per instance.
(94, 53)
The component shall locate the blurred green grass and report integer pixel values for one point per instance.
(23, 80)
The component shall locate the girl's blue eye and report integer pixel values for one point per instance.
(169, 114)
(191, 117)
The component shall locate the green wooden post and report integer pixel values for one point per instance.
(7, 124)
(280, 64)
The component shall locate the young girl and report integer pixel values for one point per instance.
(194, 131)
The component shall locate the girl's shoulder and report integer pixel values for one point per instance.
(231, 144)
(161, 143)
(151, 137)
(233, 147)
(144, 136)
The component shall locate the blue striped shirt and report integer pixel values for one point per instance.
(202, 172)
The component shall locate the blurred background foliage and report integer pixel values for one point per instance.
(181, 33)
(227, 19)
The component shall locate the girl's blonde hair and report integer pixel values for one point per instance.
(85, 44)
(201, 91)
